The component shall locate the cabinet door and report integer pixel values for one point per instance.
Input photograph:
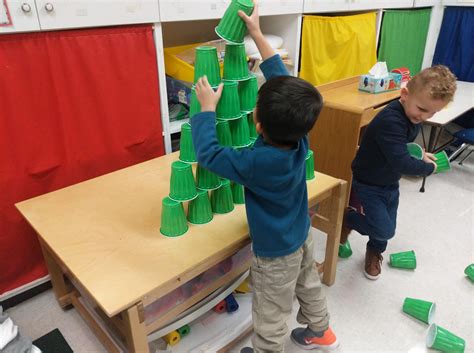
(458, 2)
(325, 5)
(280, 7)
(22, 16)
(422, 3)
(56, 14)
(379, 4)
(185, 10)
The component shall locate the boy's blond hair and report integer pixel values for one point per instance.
(438, 80)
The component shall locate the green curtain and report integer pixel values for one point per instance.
(403, 38)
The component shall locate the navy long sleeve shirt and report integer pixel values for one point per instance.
(276, 197)
(383, 157)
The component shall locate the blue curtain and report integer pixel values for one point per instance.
(455, 46)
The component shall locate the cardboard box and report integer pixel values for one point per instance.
(368, 83)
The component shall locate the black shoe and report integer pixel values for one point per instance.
(246, 350)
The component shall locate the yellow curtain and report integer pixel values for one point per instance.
(334, 48)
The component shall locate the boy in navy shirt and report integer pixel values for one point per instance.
(273, 173)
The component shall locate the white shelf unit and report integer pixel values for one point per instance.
(24, 17)
(458, 2)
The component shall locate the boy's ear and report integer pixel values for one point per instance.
(404, 94)
(258, 128)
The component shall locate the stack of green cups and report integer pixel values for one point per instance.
(444, 340)
(469, 271)
(248, 91)
(199, 209)
(238, 193)
(206, 180)
(221, 198)
(239, 130)
(235, 63)
(224, 135)
(252, 130)
(415, 150)
(310, 165)
(420, 309)
(405, 259)
(442, 161)
(207, 63)
(345, 250)
(194, 105)
(173, 220)
(231, 28)
(182, 187)
(228, 107)
(186, 147)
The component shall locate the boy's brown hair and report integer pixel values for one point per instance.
(438, 80)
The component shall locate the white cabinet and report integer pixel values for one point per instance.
(186, 10)
(378, 4)
(425, 3)
(458, 2)
(56, 14)
(321, 6)
(23, 16)
(280, 7)
(311, 6)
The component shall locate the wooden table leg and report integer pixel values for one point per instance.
(136, 331)
(60, 287)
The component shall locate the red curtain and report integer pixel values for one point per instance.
(73, 105)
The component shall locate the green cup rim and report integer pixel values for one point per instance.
(226, 39)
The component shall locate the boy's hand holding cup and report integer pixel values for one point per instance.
(206, 95)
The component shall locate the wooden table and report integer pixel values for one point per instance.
(101, 241)
(336, 135)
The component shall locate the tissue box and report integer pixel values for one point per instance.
(368, 83)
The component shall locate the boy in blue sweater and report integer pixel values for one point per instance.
(273, 173)
(383, 158)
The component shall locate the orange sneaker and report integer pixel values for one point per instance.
(308, 339)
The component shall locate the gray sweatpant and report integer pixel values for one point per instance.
(275, 280)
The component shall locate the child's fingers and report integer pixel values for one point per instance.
(219, 90)
(243, 16)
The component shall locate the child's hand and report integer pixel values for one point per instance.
(252, 21)
(206, 95)
(430, 158)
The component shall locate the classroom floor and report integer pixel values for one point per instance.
(365, 315)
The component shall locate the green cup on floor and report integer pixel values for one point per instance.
(199, 209)
(345, 250)
(221, 198)
(205, 179)
(415, 150)
(194, 105)
(442, 162)
(237, 193)
(405, 259)
(252, 129)
(173, 220)
(186, 147)
(239, 130)
(469, 271)
(443, 340)
(231, 27)
(224, 135)
(182, 187)
(310, 165)
(184, 330)
(248, 91)
(420, 309)
(206, 63)
(235, 63)
(228, 107)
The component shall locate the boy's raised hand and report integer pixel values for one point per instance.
(252, 21)
(206, 95)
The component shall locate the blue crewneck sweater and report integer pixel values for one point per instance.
(383, 157)
(276, 198)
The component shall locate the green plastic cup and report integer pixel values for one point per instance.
(252, 141)
(252, 129)
(235, 63)
(248, 91)
(173, 220)
(221, 198)
(442, 162)
(186, 147)
(469, 271)
(182, 187)
(184, 330)
(415, 150)
(231, 28)
(239, 130)
(405, 259)
(194, 105)
(207, 63)
(206, 180)
(223, 133)
(420, 309)
(443, 340)
(199, 209)
(237, 193)
(228, 107)
(345, 250)
(310, 165)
